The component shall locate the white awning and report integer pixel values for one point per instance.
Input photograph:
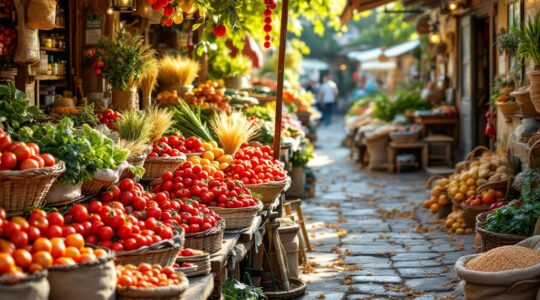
(378, 66)
(314, 64)
(373, 54)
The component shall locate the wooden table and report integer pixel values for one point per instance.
(200, 287)
(449, 123)
(394, 147)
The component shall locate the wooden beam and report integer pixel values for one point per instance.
(280, 77)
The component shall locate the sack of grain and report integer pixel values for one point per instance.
(508, 272)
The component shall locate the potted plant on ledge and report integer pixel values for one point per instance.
(529, 49)
(235, 70)
(124, 61)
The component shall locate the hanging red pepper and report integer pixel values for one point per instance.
(490, 130)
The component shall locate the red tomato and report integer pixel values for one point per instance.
(126, 185)
(29, 164)
(22, 151)
(34, 148)
(55, 218)
(79, 212)
(8, 161)
(48, 159)
(106, 233)
(54, 231)
(19, 238)
(4, 142)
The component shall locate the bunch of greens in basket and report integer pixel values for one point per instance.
(15, 111)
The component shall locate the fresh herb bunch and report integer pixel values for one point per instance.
(189, 122)
(265, 135)
(15, 111)
(407, 98)
(528, 36)
(126, 59)
(302, 157)
(518, 217)
(232, 289)
(86, 116)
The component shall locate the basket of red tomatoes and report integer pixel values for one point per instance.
(259, 172)
(26, 175)
(193, 258)
(162, 158)
(146, 281)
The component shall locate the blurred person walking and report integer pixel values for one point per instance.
(327, 96)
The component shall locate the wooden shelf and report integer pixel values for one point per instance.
(62, 50)
(50, 77)
(59, 27)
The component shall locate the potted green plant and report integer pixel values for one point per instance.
(234, 70)
(299, 161)
(529, 48)
(508, 43)
(123, 62)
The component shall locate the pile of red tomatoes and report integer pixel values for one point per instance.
(109, 118)
(175, 144)
(22, 156)
(255, 165)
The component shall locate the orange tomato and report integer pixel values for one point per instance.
(144, 267)
(85, 250)
(22, 258)
(43, 258)
(42, 244)
(64, 261)
(6, 247)
(21, 221)
(58, 247)
(73, 252)
(34, 268)
(7, 263)
(86, 258)
(100, 253)
(75, 240)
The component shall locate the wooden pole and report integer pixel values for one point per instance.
(280, 76)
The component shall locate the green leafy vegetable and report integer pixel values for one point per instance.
(15, 111)
(189, 122)
(302, 157)
(232, 289)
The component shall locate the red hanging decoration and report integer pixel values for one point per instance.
(270, 7)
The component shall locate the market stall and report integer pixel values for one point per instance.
(176, 189)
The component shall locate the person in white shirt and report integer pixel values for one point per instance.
(328, 93)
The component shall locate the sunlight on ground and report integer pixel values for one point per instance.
(321, 160)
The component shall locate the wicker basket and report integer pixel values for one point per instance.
(270, 191)
(208, 241)
(491, 240)
(201, 262)
(508, 109)
(405, 136)
(163, 253)
(298, 288)
(476, 152)
(158, 293)
(188, 155)
(136, 161)
(94, 186)
(21, 190)
(533, 152)
(238, 218)
(471, 211)
(155, 166)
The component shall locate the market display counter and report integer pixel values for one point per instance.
(200, 287)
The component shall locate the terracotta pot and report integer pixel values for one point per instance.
(523, 98)
(534, 78)
(125, 99)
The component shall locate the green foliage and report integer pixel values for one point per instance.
(189, 121)
(15, 111)
(529, 39)
(83, 151)
(126, 59)
(225, 66)
(407, 98)
(86, 116)
(377, 28)
(263, 113)
(232, 289)
(519, 217)
(508, 43)
(362, 102)
(302, 157)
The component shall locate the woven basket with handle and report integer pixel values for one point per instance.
(270, 191)
(163, 253)
(208, 241)
(508, 109)
(237, 218)
(21, 190)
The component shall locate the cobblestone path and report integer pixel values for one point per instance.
(372, 238)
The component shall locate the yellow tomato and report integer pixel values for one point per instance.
(223, 166)
(206, 146)
(214, 144)
(205, 162)
(225, 159)
(208, 155)
(195, 159)
(218, 152)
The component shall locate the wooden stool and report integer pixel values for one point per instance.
(297, 206)
(440, 149)
(405, 160)
(394, 147)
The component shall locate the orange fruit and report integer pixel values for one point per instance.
(42, 244)
(64, 261)
(208, 155)
(73, 253)
(43, 258)
(34, 268)
(99, 253)
(22, 258)
(86, 258)
(7, 263)
(75, 240)
(58, 247)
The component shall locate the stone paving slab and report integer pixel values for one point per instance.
(372, 238)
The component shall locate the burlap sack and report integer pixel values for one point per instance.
(92, 281)
(33, 287)
(159, 293)
(62, 194)
(27, 38)
(41, 14)
(522, 284)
